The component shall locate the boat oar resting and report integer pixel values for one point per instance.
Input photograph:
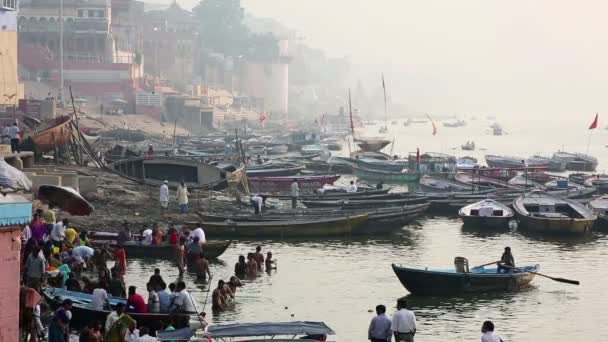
(561, 280)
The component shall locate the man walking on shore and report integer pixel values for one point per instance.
(404, 323)
(380, 326)
(295, 192)
(164, 195)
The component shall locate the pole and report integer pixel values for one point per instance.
(589, 141)
(61, 52)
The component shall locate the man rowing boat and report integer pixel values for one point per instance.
(506, 263)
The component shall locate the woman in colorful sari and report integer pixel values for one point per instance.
(117, 331)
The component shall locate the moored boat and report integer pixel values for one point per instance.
(386, 176)
(382, 165)
(212, 250)
(577, 161)
(56, 134)
(371, 144)
(275, 172)
(364, 203)
(277, 149)
(542, 212)
(433, 184)
(600, 208)
(307, 184)
(447, 282)
(486, 213)
(83, 312)
(333, 226)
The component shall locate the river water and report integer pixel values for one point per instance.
(340, 280)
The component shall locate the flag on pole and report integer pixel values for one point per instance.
(432, 123)
(594, 123)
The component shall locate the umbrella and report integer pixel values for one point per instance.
(65, 198)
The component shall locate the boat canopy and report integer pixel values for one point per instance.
(269, 329)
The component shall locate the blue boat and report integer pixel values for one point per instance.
(83, 311)
(425, 282)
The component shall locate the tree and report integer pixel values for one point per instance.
(221, 26)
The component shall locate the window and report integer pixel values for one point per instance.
(100, 13)
(9, 4)
(80, 13)
(91, 14)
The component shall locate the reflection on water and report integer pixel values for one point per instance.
(340, 280)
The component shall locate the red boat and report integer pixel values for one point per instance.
(307, 184)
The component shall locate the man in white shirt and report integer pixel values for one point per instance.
(58, 232)
(487, 333)
(403, 323)
(144, 335)
(257, 202)
(199, 233)
(164, 195)
(100, 298)
(114, 316)
(352, 187)
(147, 235)
(84, 252)
(184, 296)
(295, 193)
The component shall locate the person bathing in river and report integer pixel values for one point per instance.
(252, 266)
(259, 257)
(240, 268)
(271, 264)
(194, 251)
(201, 267)
(234, 283)
(507, 262)
(218, 299)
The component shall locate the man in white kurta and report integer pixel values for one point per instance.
(164, 195)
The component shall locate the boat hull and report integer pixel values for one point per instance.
(554, 226)
(284, 229)
(443, 283)
(485, 222)
(386, 177)
(55, 136)
(212, 250)
(283, 184)
(83, 314)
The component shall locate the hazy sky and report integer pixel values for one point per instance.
(467, 56)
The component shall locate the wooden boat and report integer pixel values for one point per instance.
(256, 149)
(433, 184)
(486, 213)
(600, 208)
(382, 165)
(364, 203)
(554, 164)
(448, 282)
(83, 312)
(66, 199)
(504, 161)
(212, 250)
(55, 135)
(277, 149)
(307, 184)
(267, 331)
(275, 172)
(338, 194)
(386, 176)
(333, 226)
(577, 161)
(371, 144)
(474, 179)
(539, 211)
(600, 182)
(380, 220)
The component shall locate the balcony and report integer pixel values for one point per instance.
(70, 25)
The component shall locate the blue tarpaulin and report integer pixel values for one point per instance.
(269, 329)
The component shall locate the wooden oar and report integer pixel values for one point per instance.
(488, 264)
(561, 280)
